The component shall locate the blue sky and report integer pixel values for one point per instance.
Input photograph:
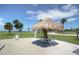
(30, 14)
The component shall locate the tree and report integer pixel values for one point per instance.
(18, 25)
(15, 21)
(63, 20)
(45, 33)
(40, 20)
(71, 29)
(8, 26)
(28, 29)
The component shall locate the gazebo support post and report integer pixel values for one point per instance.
(35, 33)
(78, 34)
(45, 34)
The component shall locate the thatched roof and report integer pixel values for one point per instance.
(47, 23)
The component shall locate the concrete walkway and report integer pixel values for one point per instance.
(53, 33)
(24, 46)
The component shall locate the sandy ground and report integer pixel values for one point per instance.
(24, 46)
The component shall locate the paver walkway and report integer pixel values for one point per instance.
(24, 46)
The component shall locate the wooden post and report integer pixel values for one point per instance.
(77, 34)
(35, 33)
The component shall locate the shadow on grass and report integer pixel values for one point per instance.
(10, 34)
(43, 44)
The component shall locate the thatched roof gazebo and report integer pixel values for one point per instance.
(47, 24)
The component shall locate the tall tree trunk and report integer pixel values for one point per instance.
(63, 30)
(45, 33)
(9, 31)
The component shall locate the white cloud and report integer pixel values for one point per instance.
(68, 12)
(30, 17)
(1, 21)
(57, 14)
(42, 15)
(71, 19)
(30, 12)
(35, 4)
(67, 7)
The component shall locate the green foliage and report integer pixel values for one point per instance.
(63, 20)
(73, 30)
(18, 25)
(28, 29)
(8, 26)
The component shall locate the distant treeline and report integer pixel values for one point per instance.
(72, 29)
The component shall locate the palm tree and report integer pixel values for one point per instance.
(8, 26)
(63, 20)
(28, 29)
(40, 20)
(18, 25)
(71, 29)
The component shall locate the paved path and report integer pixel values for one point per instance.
(52, 33)
(24, 46)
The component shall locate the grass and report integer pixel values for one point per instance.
(71, 39)
(67, 32)
(70, 32)
(5, 35)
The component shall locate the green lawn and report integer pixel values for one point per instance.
(5, 35)
(67, 32)
(71, 39)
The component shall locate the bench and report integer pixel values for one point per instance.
(1, 46)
